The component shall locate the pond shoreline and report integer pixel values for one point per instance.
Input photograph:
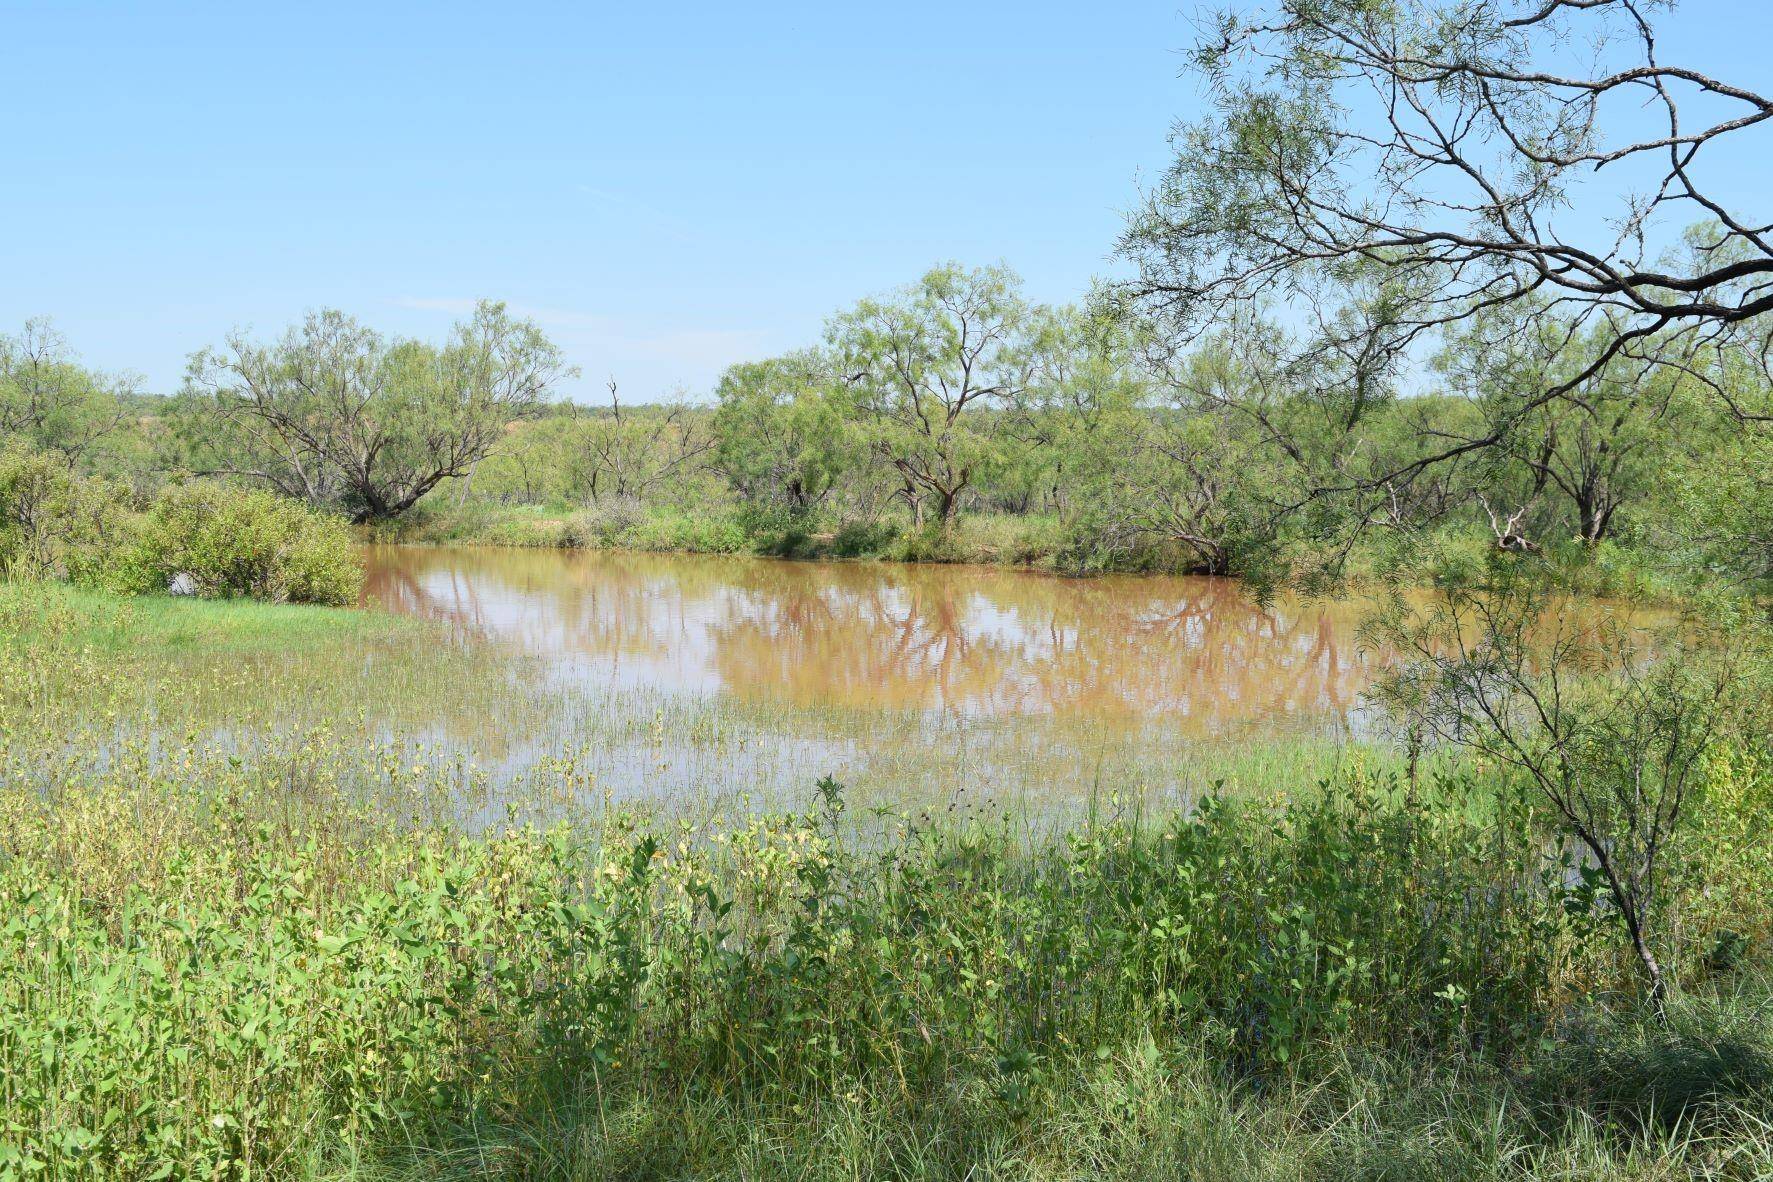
(996, 540)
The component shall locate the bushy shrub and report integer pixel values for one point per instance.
(999, 539)
(1725, 860)
(1036, 541)
(930, 543)
(698, 533)
(603, 524)
(366, 976)
(53, 523)
(625, 523)
(222, 542)
(863, 539)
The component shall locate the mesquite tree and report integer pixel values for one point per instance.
(1609, 731)
(930, 368)
(783, 432)
(1595, 449)
(624, 454)
(52, 402)
(1441, 143)
(344, 417)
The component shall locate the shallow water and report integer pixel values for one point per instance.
(1198, 654)
(549, 682)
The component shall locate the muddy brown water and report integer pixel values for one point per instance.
(1200, 654)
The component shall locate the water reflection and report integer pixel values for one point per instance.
(1198, 654)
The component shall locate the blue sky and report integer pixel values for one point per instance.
(667, 188)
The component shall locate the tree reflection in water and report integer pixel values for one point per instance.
(1196, 654)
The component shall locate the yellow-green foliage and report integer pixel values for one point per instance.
(1729, 858)
(54, 524)
(219, 540)
(241, 542)
(238, 992)
(217, 967)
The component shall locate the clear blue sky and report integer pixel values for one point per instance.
(667, 187)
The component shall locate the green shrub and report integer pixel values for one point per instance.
(931, 543)
(604, 524)
(211, 985)
(864, 539)
(439, 522)
(1727, 843)
(227, 969)
(54, 524)
(698, 533)
(1035, 541)
(224, 542)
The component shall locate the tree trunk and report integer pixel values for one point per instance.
(1595, 520)
(468, 484)
(1652, 968)
(1631, 913)
(946, 503)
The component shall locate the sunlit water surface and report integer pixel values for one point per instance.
(694, 676)
(1198, 652)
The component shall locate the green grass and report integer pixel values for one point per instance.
(87, 664)
(109, 624)
(1141, 1113)
(1025, 541)
(250, 934)
(294, 965)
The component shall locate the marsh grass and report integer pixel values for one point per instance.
(298, 963)
(1026, 541)
(114, 626)
(242, 938)
(109, 669)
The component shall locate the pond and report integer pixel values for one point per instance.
(747, 675)
(1199, 652)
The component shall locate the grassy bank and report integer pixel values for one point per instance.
(88, 663)
(287, 966)
(113, 626)
(1036, 542)
(1021, 541)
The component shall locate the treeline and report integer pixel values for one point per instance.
(241, 485)
(956, 419)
